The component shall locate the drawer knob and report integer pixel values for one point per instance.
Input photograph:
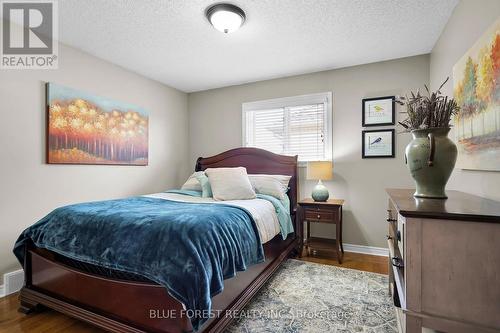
(319, 216)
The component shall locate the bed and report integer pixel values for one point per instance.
(120, 301)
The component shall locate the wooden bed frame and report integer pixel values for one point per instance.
(127, 306)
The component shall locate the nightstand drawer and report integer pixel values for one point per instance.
(321, 215)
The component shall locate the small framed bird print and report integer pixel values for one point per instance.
(377, 143)
(378, 111)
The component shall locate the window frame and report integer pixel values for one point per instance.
(317, 98)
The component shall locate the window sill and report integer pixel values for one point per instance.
(303, 164)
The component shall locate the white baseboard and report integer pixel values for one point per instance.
(12, 282)
(376, 251)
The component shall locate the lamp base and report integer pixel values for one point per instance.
(320, 193)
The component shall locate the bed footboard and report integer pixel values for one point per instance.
(114, 305)
(127, 306)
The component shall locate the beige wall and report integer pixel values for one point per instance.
(29, 188)
(468, 22)
(215, 125)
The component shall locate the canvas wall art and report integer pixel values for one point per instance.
(86, 129)
(476, 88)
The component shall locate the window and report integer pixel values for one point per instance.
(300, 125)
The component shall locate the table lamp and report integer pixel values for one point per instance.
(320, 170)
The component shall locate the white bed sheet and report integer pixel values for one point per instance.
(262, 211)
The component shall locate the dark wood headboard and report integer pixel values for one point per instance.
(256, 161)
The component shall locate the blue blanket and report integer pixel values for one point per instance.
(189, 248)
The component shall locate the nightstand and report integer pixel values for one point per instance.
(322, 212)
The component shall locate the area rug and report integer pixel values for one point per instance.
(309, 297)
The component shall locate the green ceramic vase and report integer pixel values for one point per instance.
(431, 157)
(320, 192)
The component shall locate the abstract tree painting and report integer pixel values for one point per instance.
(87, 129)
(477, 91)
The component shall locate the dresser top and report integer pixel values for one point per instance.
(458, 206)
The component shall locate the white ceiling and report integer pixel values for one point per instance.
(172, 42)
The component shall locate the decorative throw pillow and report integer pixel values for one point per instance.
(274, 185)
(192, 184)
(230, 183)
(206, 189)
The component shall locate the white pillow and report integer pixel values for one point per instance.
(274, 185)
(230, 183)
(192, 184)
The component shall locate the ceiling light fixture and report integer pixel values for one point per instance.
(225, 17)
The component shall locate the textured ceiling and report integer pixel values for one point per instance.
(172, 42)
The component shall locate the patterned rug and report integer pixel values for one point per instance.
(308, 297)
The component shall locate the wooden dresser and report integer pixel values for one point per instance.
(445, 262)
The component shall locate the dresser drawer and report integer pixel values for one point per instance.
(320, 215)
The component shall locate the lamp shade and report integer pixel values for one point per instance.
(321, 170)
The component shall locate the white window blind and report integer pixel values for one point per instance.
(290, 126)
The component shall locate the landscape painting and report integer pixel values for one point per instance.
(477, 91)
(87, 129)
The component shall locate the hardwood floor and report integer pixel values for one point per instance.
(49, 321)
(362, 262)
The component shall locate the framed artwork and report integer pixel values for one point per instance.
(379, 111)
(476, 88)
(86, 129)
(377, 143)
